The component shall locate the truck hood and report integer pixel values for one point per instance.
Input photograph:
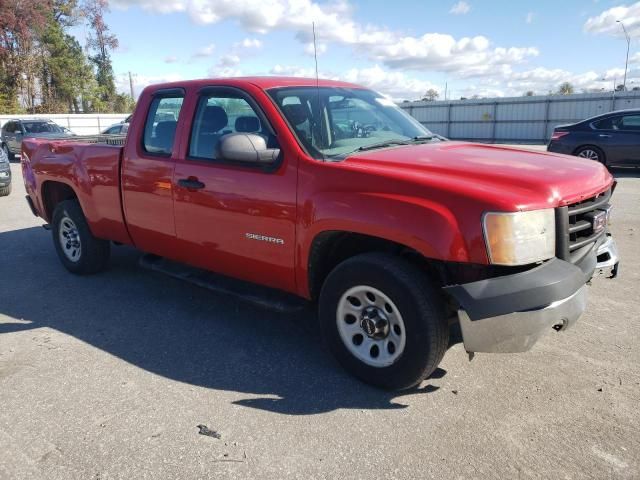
(505, 176)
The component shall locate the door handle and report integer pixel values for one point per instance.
(191, 183)
(602, 135)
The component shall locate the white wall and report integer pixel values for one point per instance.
(81, 124)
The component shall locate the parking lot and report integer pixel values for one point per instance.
(109, 377)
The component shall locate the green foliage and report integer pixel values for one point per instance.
(45, 69)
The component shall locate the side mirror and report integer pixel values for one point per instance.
(247, 148)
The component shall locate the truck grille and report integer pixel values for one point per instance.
(575, 224)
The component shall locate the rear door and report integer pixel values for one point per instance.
(147, 175)
(235, 219)
(630, 130)
(619, 137)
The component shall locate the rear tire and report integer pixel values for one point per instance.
(591, 152)
(4, 191)
(409, 334)
(79, 251)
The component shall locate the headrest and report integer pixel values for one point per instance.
(214, 118)
(166, 129)
(296, 113)
(247, 124)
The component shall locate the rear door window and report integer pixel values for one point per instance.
(631, 122)
(610, 123)
(160, 127)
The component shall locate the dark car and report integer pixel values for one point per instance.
(116, 129)
(14, 131)
(612, 138)
(5, 175)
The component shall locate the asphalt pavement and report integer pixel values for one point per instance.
(132, 375)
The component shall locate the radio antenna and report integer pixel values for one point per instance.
(315, 57)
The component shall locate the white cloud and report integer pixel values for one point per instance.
(460, 8)
(530, 17)
(234, 56)
(229, 60)
(393, 84)
(335, 24)
(467, 56)
(171, 59)
(249, 43)
(397, 85)
(205, 51)
(142, 81)
(310, 50)
(606, 22)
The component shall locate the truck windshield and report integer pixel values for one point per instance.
(332, 122)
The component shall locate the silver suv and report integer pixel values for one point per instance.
(14, 131)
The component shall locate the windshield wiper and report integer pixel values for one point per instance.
(421, 138)
(386, 143)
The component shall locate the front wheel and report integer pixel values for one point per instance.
(79, 251)
(383, 320)
(591, 153)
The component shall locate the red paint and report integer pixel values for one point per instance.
(428, 197)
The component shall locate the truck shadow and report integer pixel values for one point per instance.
(180, 331)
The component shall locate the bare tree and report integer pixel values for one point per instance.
(431, 95)
(565, 88)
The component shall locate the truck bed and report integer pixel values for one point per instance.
(90, 166)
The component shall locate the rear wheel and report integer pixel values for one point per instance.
(79, 251)
(591, 153)
(383, 320)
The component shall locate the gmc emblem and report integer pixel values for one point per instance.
(599, 221)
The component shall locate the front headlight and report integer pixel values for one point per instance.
(520, 238)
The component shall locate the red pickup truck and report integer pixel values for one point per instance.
(329, 192)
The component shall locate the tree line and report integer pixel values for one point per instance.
(565, 88)
(45, 69)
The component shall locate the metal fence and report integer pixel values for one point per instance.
(81, 124)
(514, 119)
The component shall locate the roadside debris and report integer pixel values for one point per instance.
(204, 430)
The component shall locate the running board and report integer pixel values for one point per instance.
(247, 292)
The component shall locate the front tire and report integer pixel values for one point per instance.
(4, 191)
(383, 320)
(79, 251)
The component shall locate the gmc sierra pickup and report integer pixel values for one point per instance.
(328, 191)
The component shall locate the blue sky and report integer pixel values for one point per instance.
(401, 48)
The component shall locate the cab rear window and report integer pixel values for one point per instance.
(160, 127)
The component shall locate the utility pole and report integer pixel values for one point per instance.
(626, 63)
(445, 90)
(131, 85)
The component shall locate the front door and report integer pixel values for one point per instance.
(235, 219)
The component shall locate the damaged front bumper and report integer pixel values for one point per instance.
(510, 313)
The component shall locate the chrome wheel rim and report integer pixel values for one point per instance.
(590, 154)
(69, 239)
(371, 326)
